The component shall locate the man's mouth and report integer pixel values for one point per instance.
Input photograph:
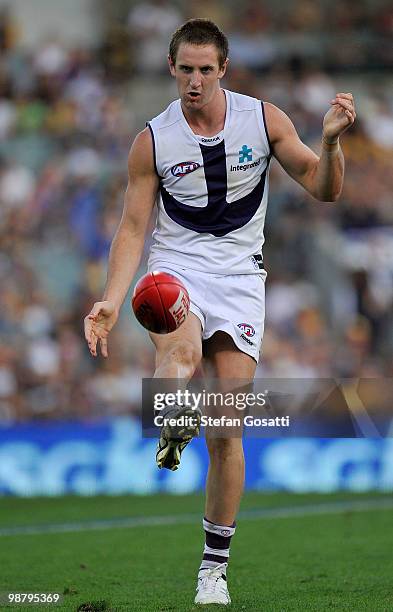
(194, 94)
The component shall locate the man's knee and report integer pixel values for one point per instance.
(183, 352)
(222, 448)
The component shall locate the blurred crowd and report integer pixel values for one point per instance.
(341, 34)
(66, 124)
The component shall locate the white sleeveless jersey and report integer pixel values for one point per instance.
(213, 190)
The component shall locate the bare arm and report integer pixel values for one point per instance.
(127, 244)
(321, 176)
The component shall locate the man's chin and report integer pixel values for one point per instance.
(190, 102)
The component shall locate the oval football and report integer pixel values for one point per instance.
(148, 309)
(160, 302)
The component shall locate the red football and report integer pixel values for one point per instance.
(160, 302)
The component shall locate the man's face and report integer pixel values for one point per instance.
(197, 72)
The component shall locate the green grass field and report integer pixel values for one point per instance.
(320, 557)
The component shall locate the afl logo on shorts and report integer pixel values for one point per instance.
(184, 168)
(247, 329)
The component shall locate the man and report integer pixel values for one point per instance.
(206, 159)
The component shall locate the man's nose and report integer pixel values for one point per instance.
(195, 79)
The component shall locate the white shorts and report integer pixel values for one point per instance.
(233, 303)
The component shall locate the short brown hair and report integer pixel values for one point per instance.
(200, 32)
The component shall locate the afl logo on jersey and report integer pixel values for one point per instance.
(184, 168)
(247, 329)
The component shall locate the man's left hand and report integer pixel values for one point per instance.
(339, 117)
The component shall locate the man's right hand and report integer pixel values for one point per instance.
(98, 324)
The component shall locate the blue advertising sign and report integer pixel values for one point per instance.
(111, 457)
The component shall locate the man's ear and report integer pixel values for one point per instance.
(223, 69)
(171, 65)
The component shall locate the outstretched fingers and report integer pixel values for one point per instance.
(90, 336)
(98, 324)
(104, 347)
(93, 332)
(94, 335)
(93, 344)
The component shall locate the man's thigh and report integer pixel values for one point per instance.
(231, 373)
(222, 359)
